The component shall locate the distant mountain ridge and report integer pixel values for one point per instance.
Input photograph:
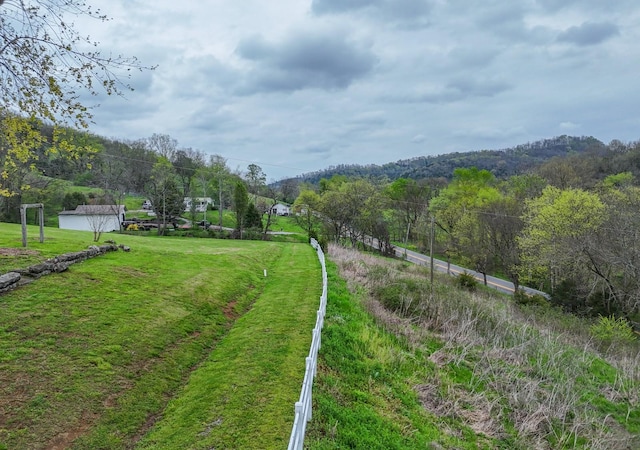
(502, 163)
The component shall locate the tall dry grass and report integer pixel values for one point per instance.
(534, 369)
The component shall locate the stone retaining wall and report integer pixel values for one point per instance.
(58, 264)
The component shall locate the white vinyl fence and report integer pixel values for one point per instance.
(303, 406)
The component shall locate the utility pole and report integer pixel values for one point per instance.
(431, 249)
(406, 239)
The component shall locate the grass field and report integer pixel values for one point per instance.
(180, 343)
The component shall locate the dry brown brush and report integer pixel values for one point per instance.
(536, 371)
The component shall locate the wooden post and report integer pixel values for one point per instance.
(41, 216)
(23, 220)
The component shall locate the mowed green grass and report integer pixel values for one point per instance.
(91, 358)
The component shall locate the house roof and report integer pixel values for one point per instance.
(94, 210)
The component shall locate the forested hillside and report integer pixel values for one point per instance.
(502, 163)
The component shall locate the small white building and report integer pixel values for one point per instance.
(103, 218)
(201, 203)
(280, 209)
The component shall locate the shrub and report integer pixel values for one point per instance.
(522, 298)
(71, 200)
(324, 245)
(610, 330)
(467, 281)
(403, 296)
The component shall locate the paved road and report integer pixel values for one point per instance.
(441, 266)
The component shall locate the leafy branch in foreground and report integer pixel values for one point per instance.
(45, 62)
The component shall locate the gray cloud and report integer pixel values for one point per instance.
(370, 81)
(194, 76)
(369, 118)
(408, 12)
(211, 119)
(316, 149)
(586, 5)
(325, 60)
(503, 19)
(460, 89)
(341, 6)
(478, 88)
(589, 33)
(471, 56)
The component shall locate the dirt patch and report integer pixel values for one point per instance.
(230, 311)
(475, 410)
(149, 423)
(64, 440)
(17, 252)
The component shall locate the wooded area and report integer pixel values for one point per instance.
(567, 227)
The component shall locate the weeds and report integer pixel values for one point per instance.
(612, 331)
(523, 375)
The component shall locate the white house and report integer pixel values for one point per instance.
(280, 209)
(103, 218)
(202, 203)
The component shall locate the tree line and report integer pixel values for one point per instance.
(502, 163)
(568, 227)
(39, 162)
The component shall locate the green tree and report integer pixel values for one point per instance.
(455, 210)
(186, 163)
(289, 190)
(215, 177)
(342, 207)
(305, 209)
(73, 199)
(502, 222)
(558, 227)
(375, 223)
(409, 199)
(240, 205)
(331, 184)
(613, 254)
(256, 179)
(252, 217)
(48, 191)
(265, 206)
(162, 190)
(18, 140)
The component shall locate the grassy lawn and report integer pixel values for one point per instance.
(285, 223)
(90, 358)
(241, 397)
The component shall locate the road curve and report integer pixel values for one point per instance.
(441, 266)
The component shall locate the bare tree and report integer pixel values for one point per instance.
(256, 179)
(163, 144)
(98, 217)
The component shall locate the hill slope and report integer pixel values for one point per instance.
(404, 367)
(91, 357)
(502, 163)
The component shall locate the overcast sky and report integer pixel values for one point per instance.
(299, 85)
